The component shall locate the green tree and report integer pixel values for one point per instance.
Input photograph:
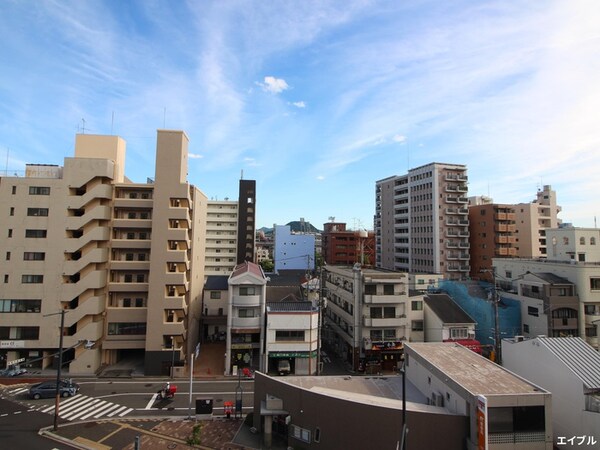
(267, 265)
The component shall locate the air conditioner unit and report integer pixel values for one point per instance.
(437, 399)
(519, 338)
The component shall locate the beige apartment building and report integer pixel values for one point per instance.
(121, 262)
(422, 221)
(221, 237)
(532, 221)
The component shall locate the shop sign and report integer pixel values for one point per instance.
(387, 345)
(12, 344)
(292, 354)
(240, 346)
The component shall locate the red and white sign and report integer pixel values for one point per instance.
(482, 426)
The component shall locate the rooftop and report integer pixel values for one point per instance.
(476, 374)
(446, 309)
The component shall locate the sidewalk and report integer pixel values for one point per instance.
(155, 434)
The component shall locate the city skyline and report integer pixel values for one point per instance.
(316, 101)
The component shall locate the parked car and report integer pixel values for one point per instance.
(47, 389)
(284, 367)
(12, 371)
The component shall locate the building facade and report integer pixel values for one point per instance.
(422, 222)
(573, 255)
(370, 315)
(221, 237)
(293, 335)
(114, 257)
(347, 247)
(246, 319)
(293, 251)
(532, 221)
(492, 231)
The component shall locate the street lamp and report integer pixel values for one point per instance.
(403, 444)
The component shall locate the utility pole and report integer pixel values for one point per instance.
(60, 359)
(496, 299)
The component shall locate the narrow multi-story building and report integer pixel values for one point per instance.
(370, 315)
(532, 220)
(492, 235)
(221, 237)
(121, 263)
(422, 223)
(247, 222)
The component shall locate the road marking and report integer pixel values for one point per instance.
(151, 402)
(104, 411)
(117, 411)
(99, 407)
(78, 410)
(18, 391)
(17, 412)
(126, 412)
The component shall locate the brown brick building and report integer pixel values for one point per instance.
(346, 247)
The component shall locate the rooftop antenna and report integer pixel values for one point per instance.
(331, 218)
(242, 175)
(83, 126)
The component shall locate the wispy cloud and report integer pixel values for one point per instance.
(273, 85)
(195, 156)
(300, 104)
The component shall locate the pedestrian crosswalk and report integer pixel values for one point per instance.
(80, 407)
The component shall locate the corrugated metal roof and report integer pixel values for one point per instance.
(216, 283)
(290, 306)
(578, 356)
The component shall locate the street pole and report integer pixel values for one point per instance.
(320, 319)
(172, 356)
(497, 323)
(58, 372)
(404, 427)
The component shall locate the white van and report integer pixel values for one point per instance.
(283, 367)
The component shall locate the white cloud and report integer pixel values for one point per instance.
(274, 85)
(195, 156)
(399, 138)
(320, 177)
(300, 104)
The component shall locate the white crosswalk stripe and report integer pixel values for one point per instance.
(82, 407)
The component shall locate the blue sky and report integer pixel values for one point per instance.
(315, 100)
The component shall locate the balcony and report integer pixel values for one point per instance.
(451, 233)
(131, 243)
(177, 234)
(173, 329)
(176, 279)
(464, 200)
(175, 303)
(115, 286)
(132, 223)
(179, 214)
(464, 245)
(245, 322)
(384, 299)
(246, 300)
(451, 244)
(131, 203)
(464, 234)
(130, 265)
(384, 322)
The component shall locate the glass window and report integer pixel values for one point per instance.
(127, 328)
(417, 325)
(20, 306)
(215, 295)
(289, 335)
(39, 190)
(388, 289)
(247, 290)
(416, 305)
(594, 284)
(389, 335)
(36, 233)
(376, 312)
(34, 256)
(370, 289)
(31, 279)
(37, 212)
(389, 312)
(533, 311)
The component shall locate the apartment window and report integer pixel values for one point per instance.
(8, 256)
(215, 295)
(508, 274)
(592, 241)
(376, 335)
(129, 257)
(525, 328)
(39, 190)
(126, 302)
(533, 311)
(581, 240)
(459, 333)
(20, 306)
(247, 290)
(37, 212)
(370, 289)
(416, 305)
(301, 434)
(388, 289)
(289, 335)
(9, 232)
(141, 257)
(34, 256)
(36, 233)
(126, 328)
(592, 310)
(133, 195)
(6, 278)
(143, 236)
(14, 190)
(139, 302)
(32, 279)
(389, 312)
(140, 278)
(594, 284)
(21, 333)
(128, 278)
(130, 236)
(417, 325)
(375, 312)
(389, 334)
(12, 211)
(246, 312)
(131, 215)
(144, 215)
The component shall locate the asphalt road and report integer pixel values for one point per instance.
(114, 399)
(19, 428)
